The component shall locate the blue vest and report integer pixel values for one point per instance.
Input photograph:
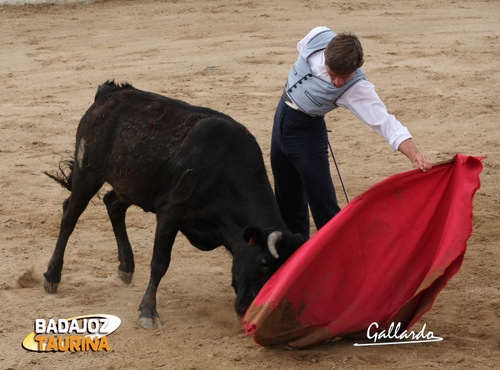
(309, 92)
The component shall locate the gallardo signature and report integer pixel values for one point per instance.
(392, 333)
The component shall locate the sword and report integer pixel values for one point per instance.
(338, 169)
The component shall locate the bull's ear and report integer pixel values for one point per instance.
(253, 235)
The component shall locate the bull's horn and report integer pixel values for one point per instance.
(272, 239)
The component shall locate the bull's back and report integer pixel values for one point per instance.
(147, 145)
(128, 125)
(139, 117)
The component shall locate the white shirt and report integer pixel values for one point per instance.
(361, 99)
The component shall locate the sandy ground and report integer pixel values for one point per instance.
(435, 64)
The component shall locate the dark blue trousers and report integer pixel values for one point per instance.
(301, 169)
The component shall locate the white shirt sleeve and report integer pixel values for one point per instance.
(363, 101)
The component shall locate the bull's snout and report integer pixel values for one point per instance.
(242, 303)
(240, 311)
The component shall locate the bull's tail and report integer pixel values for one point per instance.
(65, 174)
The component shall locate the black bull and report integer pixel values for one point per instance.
(198, 170)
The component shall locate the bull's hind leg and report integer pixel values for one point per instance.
(116, 212)
(166, 230)
(83, 189)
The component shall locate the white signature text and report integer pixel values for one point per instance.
(392, 336)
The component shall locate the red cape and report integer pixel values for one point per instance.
(384, 258)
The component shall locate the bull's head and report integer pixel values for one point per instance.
(257, 261)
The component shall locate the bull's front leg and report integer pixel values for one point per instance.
(166, 230)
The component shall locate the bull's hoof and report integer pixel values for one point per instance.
(126, 277)
(50, 287)
(150, 323)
